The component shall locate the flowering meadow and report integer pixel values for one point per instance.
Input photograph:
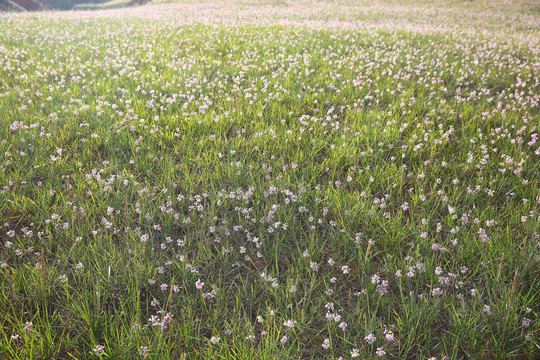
(271, 180)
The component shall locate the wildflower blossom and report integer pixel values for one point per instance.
(99, 350)
(289, 323)
(28, 326)
(326, 344)
(143, 351)
(370, 338)
(199, 284)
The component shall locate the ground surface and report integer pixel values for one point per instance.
(271, 180)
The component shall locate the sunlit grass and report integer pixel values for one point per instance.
(251, 181)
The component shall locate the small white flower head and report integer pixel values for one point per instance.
(326, 344)
(199, 284)
(28, 326)
(143, 351)
(99, 350)
(370, 338)
(289, 323)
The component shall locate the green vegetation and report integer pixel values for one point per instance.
(246, 180)
(113, 4)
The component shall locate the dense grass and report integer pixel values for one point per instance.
(275, 181)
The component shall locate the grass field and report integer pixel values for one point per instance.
(271, 180)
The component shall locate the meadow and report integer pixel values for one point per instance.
(271, 180)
